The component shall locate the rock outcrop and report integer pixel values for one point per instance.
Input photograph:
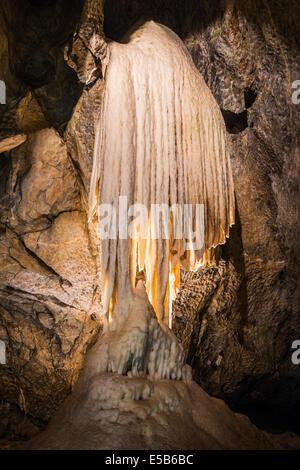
(248, 55)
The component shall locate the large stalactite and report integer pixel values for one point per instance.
(160, 139)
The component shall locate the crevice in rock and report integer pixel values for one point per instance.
(235, 122)
(44, 265)
(250, 96)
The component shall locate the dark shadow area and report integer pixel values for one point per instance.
(269, 408)
(182, 16)
(235, 122)
(238, 122)
(253, 396)
(234, 251)
(5, 171)
(277, 419)
(37, 31)
(263, 414)
(42, 3)
(187, 17)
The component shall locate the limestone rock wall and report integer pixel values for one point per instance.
(248, 54)
(49, 302)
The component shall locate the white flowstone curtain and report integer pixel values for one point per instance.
(160, 139)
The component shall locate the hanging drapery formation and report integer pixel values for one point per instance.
(160, 139)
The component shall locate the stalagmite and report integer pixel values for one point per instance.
(160, 139)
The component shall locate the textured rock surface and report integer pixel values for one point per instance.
(47, 277)
(48, 287)
(249, 57)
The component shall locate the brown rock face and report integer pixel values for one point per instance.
(47, 278)
(237, 321)
(48, 275)
(248, 54)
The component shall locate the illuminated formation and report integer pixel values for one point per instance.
(161, 139)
